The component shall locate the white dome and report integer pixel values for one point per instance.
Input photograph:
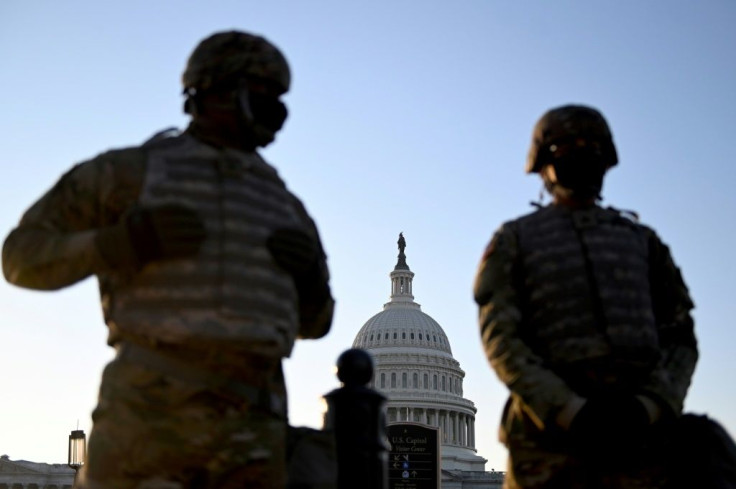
(415, 370)
(401, 326)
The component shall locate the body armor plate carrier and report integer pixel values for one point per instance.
(232, 296)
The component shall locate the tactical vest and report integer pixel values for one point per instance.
(232, 297)
(585, 292)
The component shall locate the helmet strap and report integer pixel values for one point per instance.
(190, 107)
(244, 108)
(261, 115)
(190, 102)
(539, 203)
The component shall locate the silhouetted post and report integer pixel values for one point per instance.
(355, 413)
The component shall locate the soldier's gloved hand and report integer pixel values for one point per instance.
(607, 424)
(152, 233)
(293, 250)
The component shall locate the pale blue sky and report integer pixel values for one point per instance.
(404, 116)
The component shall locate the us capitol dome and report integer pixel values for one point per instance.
(415, 370)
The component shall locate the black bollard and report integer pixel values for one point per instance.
(356, 414)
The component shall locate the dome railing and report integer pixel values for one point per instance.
(433, 396)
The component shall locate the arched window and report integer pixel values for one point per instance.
(393, 380)
(426, 381)
(434, 381)
(412, 336)
(443, 383)
(403, 380)
(415, 379)
(383, 381)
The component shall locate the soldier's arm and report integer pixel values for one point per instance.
(53, 246)
(497, 293)
(316, 305)
(670, 380)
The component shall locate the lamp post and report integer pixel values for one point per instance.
(356, 415)
(77, 451)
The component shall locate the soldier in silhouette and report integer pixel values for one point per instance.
(209, 270)
(586, 319)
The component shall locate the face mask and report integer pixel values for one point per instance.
(579, 173)
(268, 111)
(262, 116)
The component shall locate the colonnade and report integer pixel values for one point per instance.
(456, 428)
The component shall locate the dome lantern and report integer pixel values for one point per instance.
(401, 277)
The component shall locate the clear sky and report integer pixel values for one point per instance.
(404, 116)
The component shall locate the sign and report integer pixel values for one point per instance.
(414, 457)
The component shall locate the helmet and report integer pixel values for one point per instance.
(570, 125)
(227, 57)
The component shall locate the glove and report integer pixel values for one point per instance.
(608, 424)
(149, 234)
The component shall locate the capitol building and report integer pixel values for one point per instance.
(415, 370)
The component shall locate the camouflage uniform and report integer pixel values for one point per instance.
(195, 395)
(574, 303)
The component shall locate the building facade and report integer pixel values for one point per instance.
(21, 474)
(415, 369)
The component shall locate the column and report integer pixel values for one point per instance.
(472, 432)
(457, 428)
(466, 424)
(465, 430)
(461, 422)
(447, 424)
(443, 420)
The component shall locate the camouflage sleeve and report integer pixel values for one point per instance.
(316, 307)
(54, 244)
(497, 293)
(670, 380)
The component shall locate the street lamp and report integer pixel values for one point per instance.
(77, 450)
